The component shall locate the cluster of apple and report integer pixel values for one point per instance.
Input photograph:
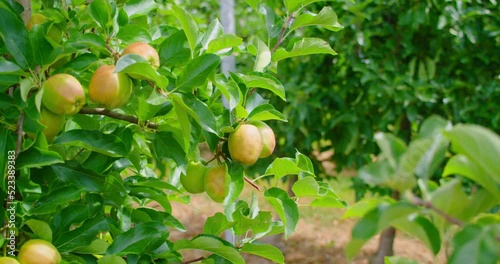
(247, 143)
(35, 251)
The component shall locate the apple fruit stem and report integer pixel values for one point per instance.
(115, 115)
(253, 184)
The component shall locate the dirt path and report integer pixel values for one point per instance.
(320, 236)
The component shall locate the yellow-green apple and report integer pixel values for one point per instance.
(63, 94)
(245, 144)
(144, 50)
(216, 183)
(268, 138)
(38, 251)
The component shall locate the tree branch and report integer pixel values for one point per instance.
(418, 201)
(282, 33)
(115, 115)
(19, 133)
(253, 184)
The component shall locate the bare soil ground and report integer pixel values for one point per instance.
(320, 236)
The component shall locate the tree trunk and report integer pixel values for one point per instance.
(386, 242)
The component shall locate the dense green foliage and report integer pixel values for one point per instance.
(398, 63)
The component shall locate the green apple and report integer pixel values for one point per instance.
(108, 88)
(63, 94)
(54, 32)
(194, 179)
(216, 183)
(245, 144)
(38, 251)
(7, 260)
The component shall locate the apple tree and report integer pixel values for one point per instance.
(104, 107)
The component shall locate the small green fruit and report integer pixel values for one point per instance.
(194, 179)
(38, 251)
(55, 33)
(63, 94)
(245, 144)
(7, 260)
(216, 183)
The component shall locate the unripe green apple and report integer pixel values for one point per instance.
(7, 260)
(63, 94)
(216, 185)
(245, 144)
(53, 123)
(144, 50)
(55, 33)
(108, 88)
(38, 251)
(268, 138)
(194, 179)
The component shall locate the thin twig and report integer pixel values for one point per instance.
(282, 33)
(418, 201)
(115, 115)
(253, 184)
(19, 133)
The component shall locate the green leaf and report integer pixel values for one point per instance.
(188, 25)
(141, 238)
(263, 55)
(392, 148)
(224, 43)
(362, 207)
(286, 208)
(197, 71)
(266, 251)
(165, 146)
(264, 81)
(476, 244)
(213, 31)
(324, 194)
(35, 157)
(174, 50)
(480, 145)
(253, 3)
(15, 36)
(133, 33)
(303, 47)
(82, 235)
(198, 110)
(101, 11)
(93, 140)
(8, 67)
(374, 222)
(211, 244)
(421, 228)
(325, 18)
(294, 5)
(229, 88)
(462, 165)
(432, 126)
(49, 203)
(136, 65)
(377, 173)
(137, 8)
(97, 246)
(40, 228)
(217, 224)
(86, 41)
(282, 167)
(111, 259)
(266, 112)
(440, 198)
